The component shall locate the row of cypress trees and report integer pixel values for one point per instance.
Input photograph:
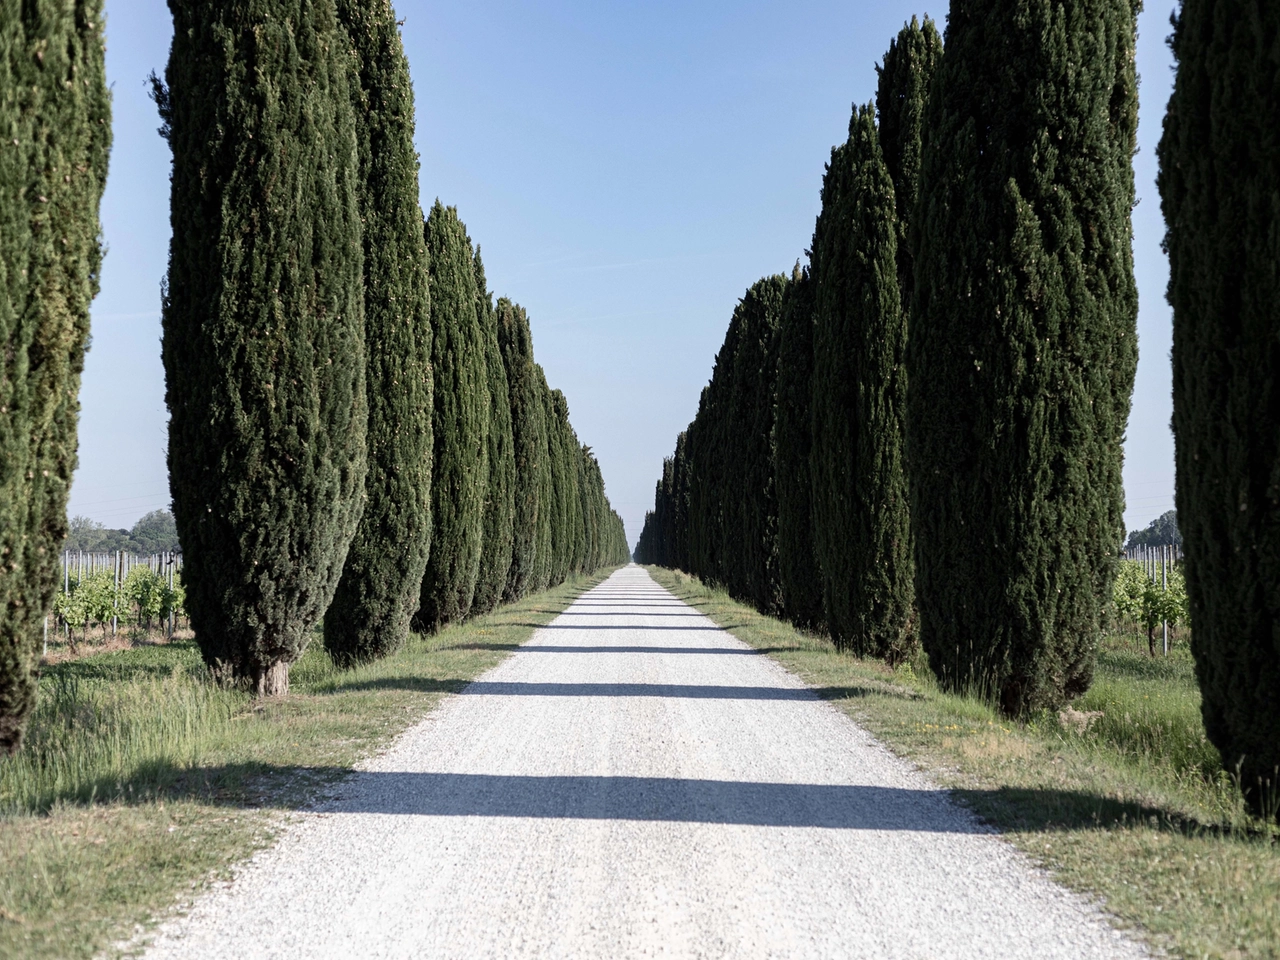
(358, 432)
(55, 135)
(942, 394)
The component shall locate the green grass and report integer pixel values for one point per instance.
(140, 781)
(1136, 811)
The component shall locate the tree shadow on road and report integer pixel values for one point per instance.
(339, 790)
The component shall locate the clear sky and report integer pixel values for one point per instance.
(629, 169)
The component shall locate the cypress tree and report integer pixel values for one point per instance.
(378, 592)
(677, 535)
(561, 532)
(500, 505)
(528, 441)
(55, 122)
(1219, 170)
(798, 572)
(263, 325)
(750, 499)
(901, 97)
(570, 453)
(1022, 347)
(461, 424)
(861, 520)
(543, 560)
(590, 519)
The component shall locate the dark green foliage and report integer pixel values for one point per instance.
(861, 519)
(901, 98)
(378, 592)
(1022, 344)
(571, 456)
(544, 536)
(461, 403)
(499, 506)
(750, 545)
(563, 449)
(798, 572)
(263, 326)
(723, 516)
(1220, 186)
(55, 134)
(528, 434)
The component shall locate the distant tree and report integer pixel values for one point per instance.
(1022, 345)
(1160, 532)
(1219, 170)
(379, 589)
(263, 325)
(861, 519)
(461, 424)
(499, 505)
(155, 532)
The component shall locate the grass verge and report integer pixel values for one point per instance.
(140, 781)
(1122, 798)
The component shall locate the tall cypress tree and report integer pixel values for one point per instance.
(1219, 170)
(500, 506)
(55, 115)
(263, 325)
(1022, 346)
(543, 556)
(860, 510)
(378, 592)
(750, 499)
(461, 424)
(559, 513)
(798, 572)
(585, 511)
(901, 97)
(569, 452)
(528, 442)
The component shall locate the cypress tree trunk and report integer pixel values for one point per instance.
(901, 98)
(461, 423)
(53, 167)
(499, 508)
(1022, 346)
(798, 570)
(861, 519)
(528, 441)
(1219, 170)
(263, 326)
(378, 592)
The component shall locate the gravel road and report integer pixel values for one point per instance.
(635, 782)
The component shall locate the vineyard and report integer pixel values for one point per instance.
(110, 593)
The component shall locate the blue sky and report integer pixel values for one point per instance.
(629, 169)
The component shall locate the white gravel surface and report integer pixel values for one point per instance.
(635, 782)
